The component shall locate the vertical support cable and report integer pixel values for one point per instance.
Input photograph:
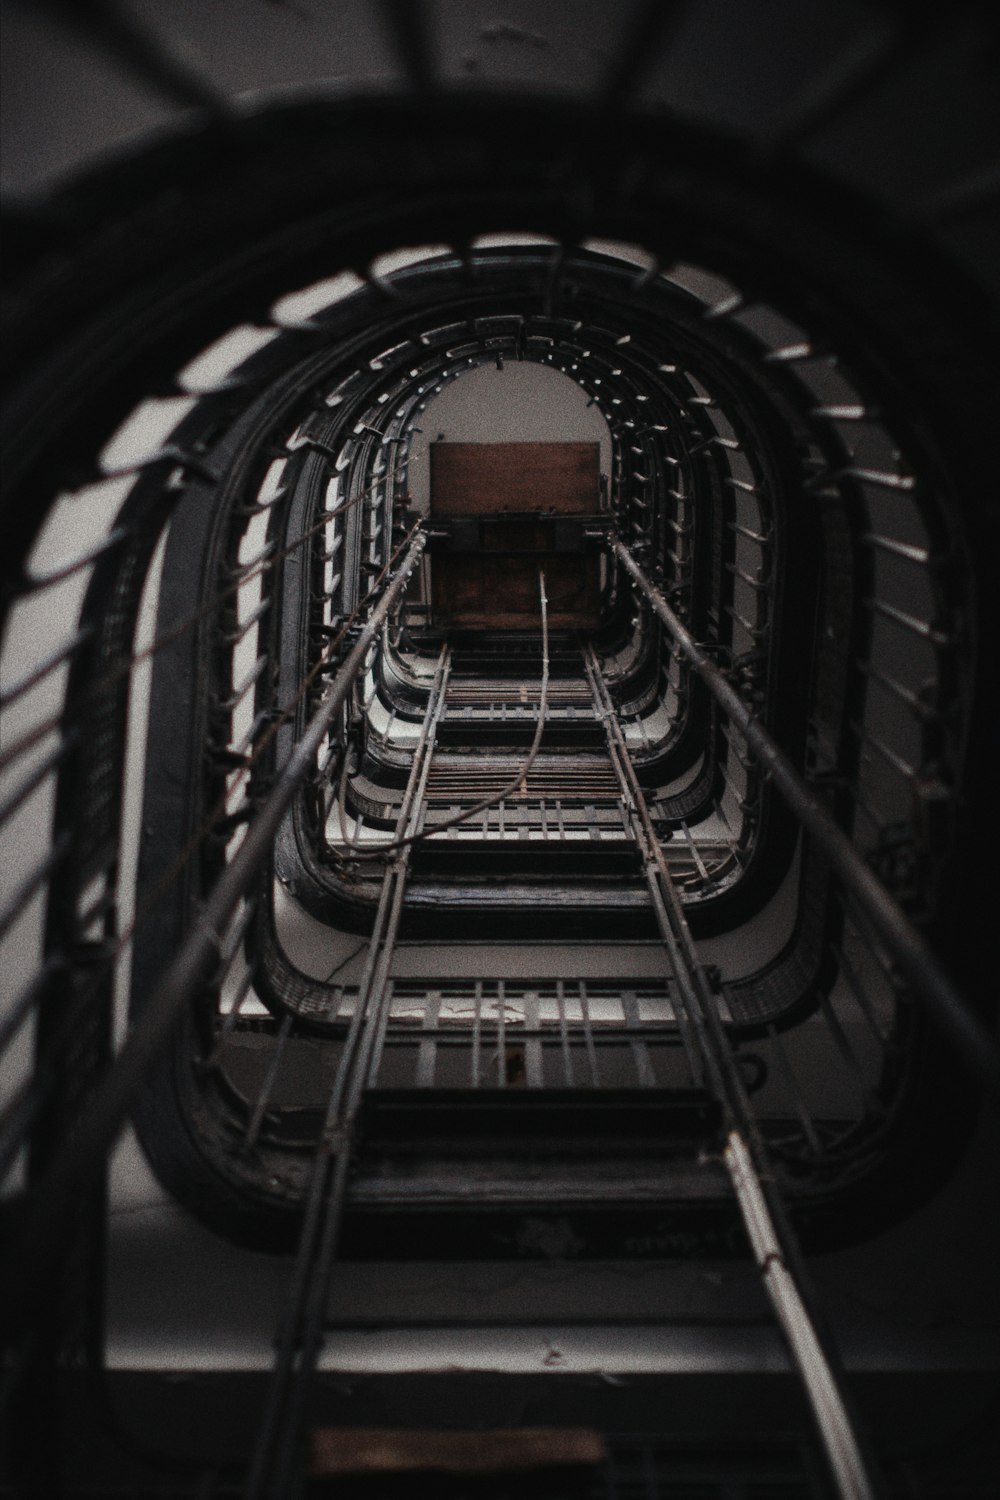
(300, 1335)
(827, 1405)
(60, 1193)
(879, 908)
(767, 1227)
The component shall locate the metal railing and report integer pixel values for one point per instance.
(877, 916)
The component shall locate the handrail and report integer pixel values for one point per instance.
(908, 948)
(79, 1159)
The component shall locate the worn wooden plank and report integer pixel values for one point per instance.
(493, 478)
(497, 586)
(346, 1450)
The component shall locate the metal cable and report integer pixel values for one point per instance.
(519, 780)
(61, 1193)
(880, 910)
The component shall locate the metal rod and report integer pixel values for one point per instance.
(910, 950)
(501, 1079)
(300, 1336)
(695, 1000)
(836, 1433)
(477, 1026)
(564, 1033)
(33, 882)
(61, 1192)
(34, 582)
(407, 23)
(840, 84)
(140, 51)
(61, 656)
(694, 997)
(18, 1012)
(588, 1033)
(795, 1093)
(650, 31)
(512, 787)
(267, 1087)
(40, 770)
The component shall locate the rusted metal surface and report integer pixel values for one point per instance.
(504, 1450)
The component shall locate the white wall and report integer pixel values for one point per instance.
(522, 403)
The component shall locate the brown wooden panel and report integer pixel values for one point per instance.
(476, 478)
(494, 591)
(341, 1451)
